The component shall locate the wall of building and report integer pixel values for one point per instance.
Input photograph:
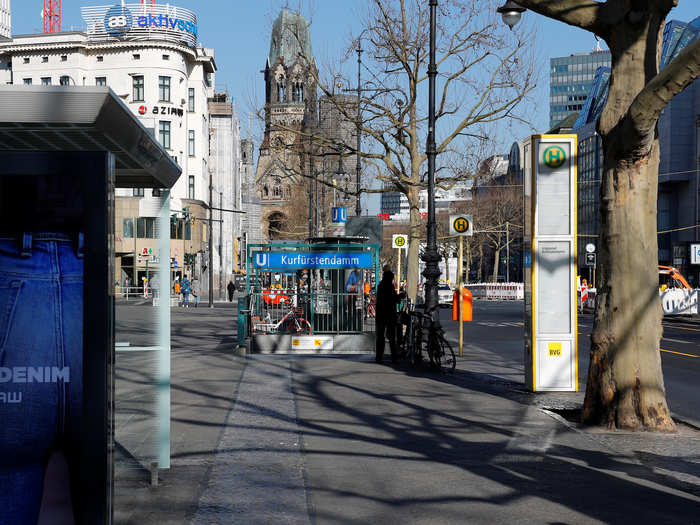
(5, 19)
(570, 81)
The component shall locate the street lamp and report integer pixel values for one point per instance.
(431, 257)
(511, 13)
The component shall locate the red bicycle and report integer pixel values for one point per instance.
(293, 322)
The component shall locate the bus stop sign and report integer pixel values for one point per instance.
(461, 225)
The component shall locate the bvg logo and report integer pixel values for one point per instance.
(554, 157)
(260, 259)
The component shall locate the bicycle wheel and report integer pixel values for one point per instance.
(415, 352)
(441, 354)
(301, 325)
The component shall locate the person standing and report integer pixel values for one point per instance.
(230, 288)
(353, 299)
(186, 290)
(387, 299)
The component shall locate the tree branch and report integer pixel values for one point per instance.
(674, 78)
(585, 14)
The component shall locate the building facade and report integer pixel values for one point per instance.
(225, 166)
(570, 80)
(152, 60)
(5, 19)
(307, 162)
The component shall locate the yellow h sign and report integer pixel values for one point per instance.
(554, 157)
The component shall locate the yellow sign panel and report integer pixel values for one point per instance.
(554, 349)
(400, 241)
(461, 225)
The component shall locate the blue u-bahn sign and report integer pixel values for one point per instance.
(339, 214)
(302, 261)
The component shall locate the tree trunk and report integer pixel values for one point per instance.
(479, 272)
(414, 235)
(496, 261)
(625, 382)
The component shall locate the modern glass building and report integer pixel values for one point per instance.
(571, 80)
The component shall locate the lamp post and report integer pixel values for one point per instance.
(431, 255)
(358, 166)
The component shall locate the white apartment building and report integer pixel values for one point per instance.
(150, 57)
(444, 200)
(5, 19)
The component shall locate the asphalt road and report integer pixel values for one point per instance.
(499, 325)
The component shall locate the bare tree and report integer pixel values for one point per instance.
(625, 387)
(485, 73)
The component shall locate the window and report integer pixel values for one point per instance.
(166, 57)
(100, 58)
(136, 56)
(138, 192)
(190, 187)
(164, 133)
(44, 59)
(26, 60)
(145, 227)
(128, 228)
(45, 81)
(64, 58)
(64, 80)
(27, 81)
(137, 83)
(190, 143)
(100, 81)
(164, 89)
(190, 99)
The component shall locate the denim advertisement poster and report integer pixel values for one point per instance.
(41, 347)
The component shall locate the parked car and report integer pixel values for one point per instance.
(275, 297)
(444, 295)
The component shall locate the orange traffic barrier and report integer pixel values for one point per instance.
(466, 305)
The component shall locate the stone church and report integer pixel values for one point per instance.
(295, 119)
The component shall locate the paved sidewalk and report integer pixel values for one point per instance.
(291, 439)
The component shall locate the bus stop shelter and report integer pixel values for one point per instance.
(81, 143)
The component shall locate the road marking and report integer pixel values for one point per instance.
(676, 340)
(681, 328)
(679, 353)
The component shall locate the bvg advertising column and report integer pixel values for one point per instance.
(551, 350)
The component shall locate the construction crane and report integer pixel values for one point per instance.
(51, 15)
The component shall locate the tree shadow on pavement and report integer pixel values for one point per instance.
(506, 450)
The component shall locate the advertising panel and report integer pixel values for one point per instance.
(141, 22)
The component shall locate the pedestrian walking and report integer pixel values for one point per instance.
(230, 288)
(386, 316)
(195, 291)
(186, 291)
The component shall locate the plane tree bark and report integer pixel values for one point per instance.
(625, 387)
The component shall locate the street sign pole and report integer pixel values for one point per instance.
(459, 297)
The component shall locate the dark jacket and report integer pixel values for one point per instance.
(387, 299)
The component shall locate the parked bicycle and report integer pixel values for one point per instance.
(422, 332)
(292, 322)
(408, 338)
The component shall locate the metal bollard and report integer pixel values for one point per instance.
(243, 310)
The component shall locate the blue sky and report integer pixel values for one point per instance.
(239, 30)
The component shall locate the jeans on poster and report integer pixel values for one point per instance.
(41, 347)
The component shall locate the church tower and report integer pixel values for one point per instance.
(291, 105)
